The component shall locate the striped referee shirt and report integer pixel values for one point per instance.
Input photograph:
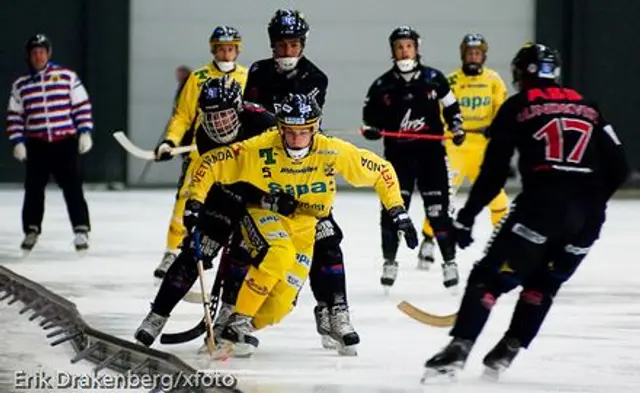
(50, 105)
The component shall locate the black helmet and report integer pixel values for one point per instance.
(299, 110)
(404, 32)
(38, 40)
(220, 102)
(222, 35)
(287, 23)
(536, 63)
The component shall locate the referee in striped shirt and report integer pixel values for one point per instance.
(49, 122)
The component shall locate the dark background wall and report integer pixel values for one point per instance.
(598, 43)
(92, 38)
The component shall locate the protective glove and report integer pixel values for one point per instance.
(163, 150)
(279, 202)
(462, 227)
(371, 133)
(458, 133)
(20, 152)
(404, 226)
(85, 143)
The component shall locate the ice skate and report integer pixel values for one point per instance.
(29, 242)
(219, 324)
(150, 328)
(425, 254)
(81, 241)
(449, 361)
(236, 339)
(450, 276)
(323, 326)
(165, 264)
(500, 358)
(342, 331)
(389, 274)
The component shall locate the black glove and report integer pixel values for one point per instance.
(404, 226)
(456, 129)
(279, 202)
(162, 151)
(191, 215)
(486, 132)
(371, 133)
(462, 228)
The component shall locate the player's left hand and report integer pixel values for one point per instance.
(280, 202)
(462, 227)
(404, 226)
(458, 137)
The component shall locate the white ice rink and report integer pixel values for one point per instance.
(589, 343)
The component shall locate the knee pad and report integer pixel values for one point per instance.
(492, 280)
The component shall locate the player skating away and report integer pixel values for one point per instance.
(571, 162)
(480, 92)
(304, 163)
(270, 80)
(408, 98)
(224, 119)
(225, 43)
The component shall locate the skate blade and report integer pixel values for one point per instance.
(241, 350)
(24, 254)
(492, 374)
(424, 265)
(329, 343)
(453, 290)
(351, 350)
(440, 374)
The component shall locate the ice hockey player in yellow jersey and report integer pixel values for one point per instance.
(304, 163)
(480, 92)
(225, 43)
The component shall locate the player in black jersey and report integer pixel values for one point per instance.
(408, 98)
(225, 119)
(571, 162)
(270, 80)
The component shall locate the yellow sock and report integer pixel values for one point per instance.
(496, 215)
(427, 230)
(254, 291)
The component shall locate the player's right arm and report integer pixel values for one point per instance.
(185, 111)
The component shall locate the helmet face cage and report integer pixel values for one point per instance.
(221, 126)
(287, 24)
(220, 101)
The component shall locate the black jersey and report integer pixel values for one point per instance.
(267, 87)
(565, 147)
(394, 103)
(254, 120)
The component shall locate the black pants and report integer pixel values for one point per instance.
(423, 163)
(59, 159)
(538, 247)
(327, 276)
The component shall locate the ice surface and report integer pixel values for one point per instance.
(590, 342)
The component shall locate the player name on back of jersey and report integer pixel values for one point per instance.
(549, 108)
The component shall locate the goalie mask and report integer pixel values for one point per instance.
(219, 103)
(298, 121)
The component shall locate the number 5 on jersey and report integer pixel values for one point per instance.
(553, 135)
